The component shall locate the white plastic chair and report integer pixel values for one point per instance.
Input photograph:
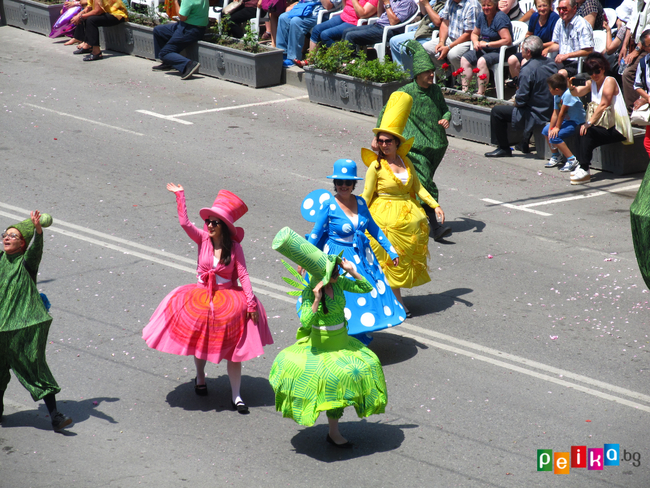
(335, 14)
(380, 47)
(526, 5)
(322, 13)
(610, 13)
(519, 30)
(600, 44)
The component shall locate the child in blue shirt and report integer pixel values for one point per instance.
(568, 116)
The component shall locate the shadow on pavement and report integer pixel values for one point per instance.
(368, 438)
(463, 224)
(392, 349)
(256, 392)
(436, 302)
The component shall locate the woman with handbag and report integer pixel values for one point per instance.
(607, 118)
(641, 113)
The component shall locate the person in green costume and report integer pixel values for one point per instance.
(640, 221)
(427, 123)
(24, 320)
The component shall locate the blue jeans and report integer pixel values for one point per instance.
(329, 32)
(567, 129)
(170, 39)
(365, 35)
(291, 34)
(397, 49)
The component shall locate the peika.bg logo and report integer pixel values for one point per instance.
(581, 457)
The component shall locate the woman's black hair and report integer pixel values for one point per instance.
(595, 61)
(381, 154)
(226, 242)
(354, 184)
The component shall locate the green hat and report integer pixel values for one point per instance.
(300, 251)
(421, 59)
(26, 227)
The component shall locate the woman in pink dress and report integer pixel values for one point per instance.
(215, 318)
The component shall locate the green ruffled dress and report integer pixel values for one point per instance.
(327, 370)
(640, 220)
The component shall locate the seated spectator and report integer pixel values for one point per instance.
(606, 93)
(104, 13)
(568, 116)
(642, 83)
(459, 18)
(510, 8)
(275, 9)
(541, 24)
(592, 12)
(390, 12)
(573, 37)
(170, 39)
(330, 31)
(533, 101)
(431, 20)
(68, 4)
(238, 19)
(296, 23)
(493, 30)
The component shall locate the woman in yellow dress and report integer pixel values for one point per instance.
(390, 190)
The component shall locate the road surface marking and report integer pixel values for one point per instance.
(175, 117)
(516, 207)
(85, 120)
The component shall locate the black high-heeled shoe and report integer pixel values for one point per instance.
(200, 390)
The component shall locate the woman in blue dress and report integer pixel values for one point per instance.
(341, 223)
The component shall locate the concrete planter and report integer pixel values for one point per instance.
(348, 93)
(32, 16)
(129, 38)
(255, 70)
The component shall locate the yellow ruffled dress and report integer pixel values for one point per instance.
(396, 211)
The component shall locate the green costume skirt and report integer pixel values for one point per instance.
(23, 351)
(328, 370)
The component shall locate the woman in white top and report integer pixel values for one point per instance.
(607, 94)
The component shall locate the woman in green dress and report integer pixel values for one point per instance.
(24, 320)
(326, 369)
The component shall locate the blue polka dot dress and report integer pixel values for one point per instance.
(334, 232)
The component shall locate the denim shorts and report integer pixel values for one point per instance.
(567, 129)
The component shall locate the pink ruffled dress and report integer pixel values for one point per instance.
(208, 319)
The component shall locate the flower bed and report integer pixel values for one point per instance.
(32, 16)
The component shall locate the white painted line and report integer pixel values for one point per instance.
(174, 117)
(527, 362)
(580, 197)
(496, 362)
(516, 207)
(85, 120)
(166, 117)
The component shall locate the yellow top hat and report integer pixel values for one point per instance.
(396, 113)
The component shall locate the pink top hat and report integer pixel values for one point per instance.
(228, 208)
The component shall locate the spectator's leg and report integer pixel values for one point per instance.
(335, 33)
(282, 35)
(300, 27)
(456, 53)
(183, 36)
(239, 19)
(322, 32)
(161, 34)
(80, 33)
(629, 93)
(595, 137)
(92, 29)
(514, 66)
(482, 65)
(365, 35)
(500, 118)
(274, 19)
(397, 50)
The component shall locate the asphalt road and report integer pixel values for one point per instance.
(533, 333)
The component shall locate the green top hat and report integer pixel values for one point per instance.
(296, 248)
(26, 227)
(421, 59)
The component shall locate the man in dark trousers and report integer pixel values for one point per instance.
(533, 100)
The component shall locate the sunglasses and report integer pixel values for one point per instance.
(385, 141)
(344, 182)
(13, 236)
(593, 72)
(212, 223)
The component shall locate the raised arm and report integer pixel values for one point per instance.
(190, 229)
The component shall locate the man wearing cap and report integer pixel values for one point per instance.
(427, 123)
(24, 321)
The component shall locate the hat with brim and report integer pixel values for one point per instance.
(344, 169)
(228, 208)
(393, 122)
(26, 227)
(296, 248)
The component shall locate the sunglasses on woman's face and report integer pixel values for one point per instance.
(344, 182)
(593, 72)
(212, 223)
(385, 141)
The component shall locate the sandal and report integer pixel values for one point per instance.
(300, 63)
(200, 390)
(83, 50)
(93, 57)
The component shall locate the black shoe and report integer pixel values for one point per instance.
(513, 83)
(191, 68)
(523, 146)
(499, 153)
(93, 57)
(81, 50)
(60, 422)
(161, 67)
(240, 406)
(200, 390)
(347, 445)
(441, 232)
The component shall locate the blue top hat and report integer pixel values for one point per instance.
(345, 169)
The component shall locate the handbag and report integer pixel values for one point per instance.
(232, 7)
(641, 116)
(607, 119)
(303, 9)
